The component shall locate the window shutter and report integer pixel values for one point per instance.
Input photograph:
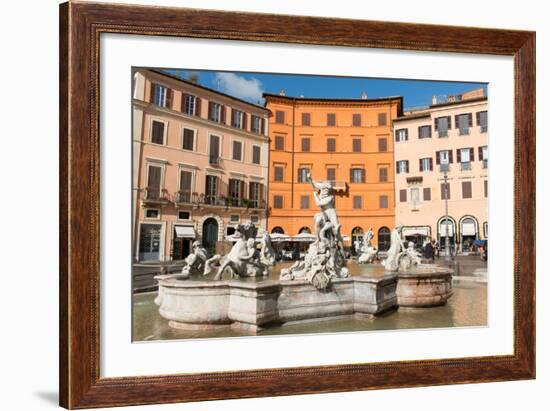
(480, 153)
(397, 167)
(245, 122)
(478, 118)
(420, 165)
(363, 175)
(472, 154)
(431, 164)
(437, 161)
(449, 125)
(470, 119)
(197, 106)
(152, 93)
(223, 111)
(209, 110)
(450, 156)
(456, 121)
(406, 166)
(419, 131)
(183, 108)
(435, 124)
(169, 98)
(458, 155)
(429, 131)
(262, 126)
(406, 134)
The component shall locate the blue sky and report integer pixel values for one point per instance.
(250, 86)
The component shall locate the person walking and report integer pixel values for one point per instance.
(429, 251)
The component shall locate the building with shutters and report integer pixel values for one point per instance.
(200, 165)
(346, 141)
(453, 131)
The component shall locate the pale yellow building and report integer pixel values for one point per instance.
(453, 131)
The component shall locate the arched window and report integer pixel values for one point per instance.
(304, 230)
(384, 239)
(277, 230)
(357, 234)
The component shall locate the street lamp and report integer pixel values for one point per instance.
(444, 167)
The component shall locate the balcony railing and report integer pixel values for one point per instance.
(156, 195)
(485, 163)
(442, 133)
(214, 159)
(465, 166)
(463, 131)
(483, 129)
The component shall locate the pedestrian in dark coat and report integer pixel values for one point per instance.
(429, 251)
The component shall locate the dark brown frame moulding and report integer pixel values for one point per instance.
(81, 25)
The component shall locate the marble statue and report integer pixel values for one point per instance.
(391, 263)
(325, 258)
(267, 254)
(409, 257)
(367, 251)
(195, 262)
(244, 259)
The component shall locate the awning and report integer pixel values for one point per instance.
(277, 237)
(468, 228)
(412, 231)
(304, 237)
(480, 243)
(185, 231)
(443, 229)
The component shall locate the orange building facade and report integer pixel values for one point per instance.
(347, 141)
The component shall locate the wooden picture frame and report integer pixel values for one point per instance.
(81, 25)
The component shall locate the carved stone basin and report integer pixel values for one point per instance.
(424, 286)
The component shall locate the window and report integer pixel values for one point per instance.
(280, 117)
(256, 154)
(356, 142)
(402, 134)
(481, 120)
(191, 105)
(485, 188)
(356, 120)
(357, 202)
(383, 174)
(152, 213)
(331, 145)
(402, 166)
(302, 174)
(254, 219)
(237, 150)
(463, 122)
(235, 191)
(415, 198)
(279, 143)
(186, 186)
(383, 201)
(382, 145)
(157, 132)
(184, 215)
(466, 189)
(331, 173)
(162, 96)
(214, 149)
(442, 126)
(277, 201)
(306, 144)
(304, 202)
(188, 142)
(424, 131)
(443, 157)
(257, 125)
(215, 112)
(306, 119)
(403, 195)
(357, 175)
(427, 194)
(382, 119)
(237, 118)
(426, 164)
(255, 194)
(445, 191)
(211, 189)
(331, 119)
(483, 154)
(154, 179)
(464, 156)
(278, 173)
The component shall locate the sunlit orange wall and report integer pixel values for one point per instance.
(291, 217)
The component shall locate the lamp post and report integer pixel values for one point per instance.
(445, 169)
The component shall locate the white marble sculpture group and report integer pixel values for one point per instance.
(367, 253)
(325, 258)
(400, 258)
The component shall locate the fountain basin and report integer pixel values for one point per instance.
(424, 286)
(191, 304)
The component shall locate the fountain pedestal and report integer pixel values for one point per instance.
(424, 286)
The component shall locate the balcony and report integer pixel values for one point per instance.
(485, 164)
(463, 131)
(232, 202)
(214, 160)
(465, 166)
(156, 196)
(483, 129)
(186, 197)
(442, 133)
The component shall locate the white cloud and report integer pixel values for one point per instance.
(237, 86)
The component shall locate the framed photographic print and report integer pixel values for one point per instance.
(257, 205)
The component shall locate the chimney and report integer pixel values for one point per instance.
(434, 100)
(282, 92)
(364, 95)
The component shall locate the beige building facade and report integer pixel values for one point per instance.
(200, 165)
(448, 138)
